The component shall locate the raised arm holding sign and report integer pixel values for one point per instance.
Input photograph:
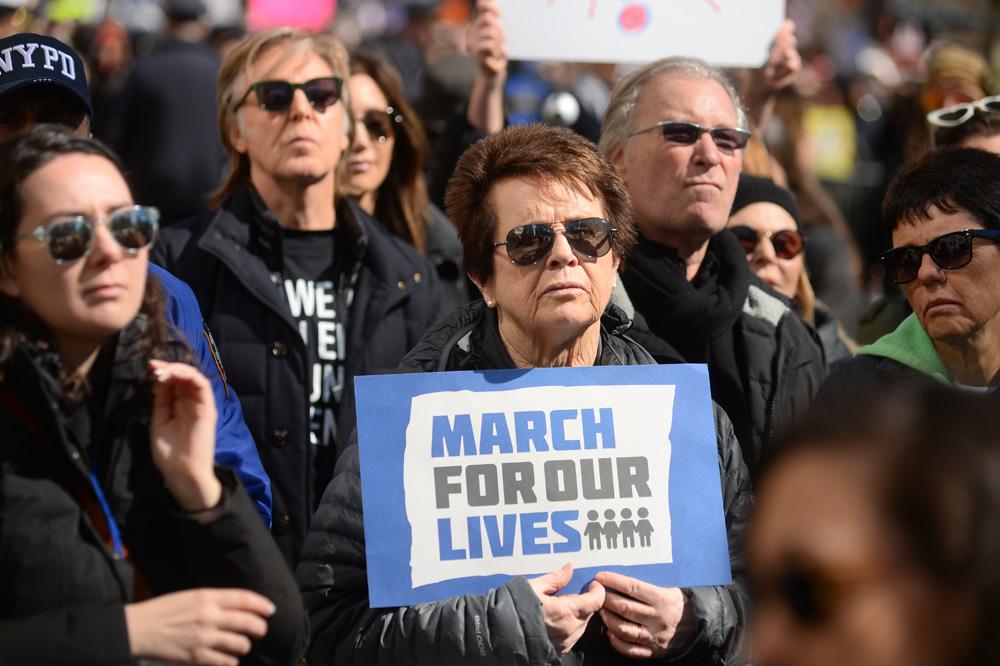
(500, 475)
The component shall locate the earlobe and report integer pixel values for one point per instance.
(487, 290)
(7, 283)
(236, 136)
(617, 157)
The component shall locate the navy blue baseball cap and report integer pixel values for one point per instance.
(27, 59)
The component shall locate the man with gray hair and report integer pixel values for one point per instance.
(676, 129)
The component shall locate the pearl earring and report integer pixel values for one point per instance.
(490, 304)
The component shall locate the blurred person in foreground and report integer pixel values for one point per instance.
(119, 537)
(31, 94)
(676, 129)
(765, 220)
(545, 222)
(943, 215)
(384, 171)
(302, 288)
(876, 534)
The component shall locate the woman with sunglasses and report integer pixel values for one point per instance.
(119, 538)
(545, 221)
(765, 220)
(303, 290)
(384, 171)
(943, 215)
(874, 540)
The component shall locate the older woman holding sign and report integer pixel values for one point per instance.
(544, 222)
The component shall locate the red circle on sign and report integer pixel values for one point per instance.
(633, 18)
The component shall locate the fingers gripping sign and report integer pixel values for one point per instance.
(645, 620)
(566, 616)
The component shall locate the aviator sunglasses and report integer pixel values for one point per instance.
(950, 251)
(787, 243)
(685, 134)
(278, 95)
(72, 238)
(381, 125)
(529, 243)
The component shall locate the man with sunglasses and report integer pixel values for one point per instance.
(301, 287)
(45, 83)
(676, 128)
(943, 215)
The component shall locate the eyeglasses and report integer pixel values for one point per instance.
(529, 243)
(381, 125)
(685, 134)
(959, 113)
(72, 238)
(811, 594)
(787, 242)
(278, 95)
(950, 252)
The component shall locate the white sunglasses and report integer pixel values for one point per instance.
(952, 116)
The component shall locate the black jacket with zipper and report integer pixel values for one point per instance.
(63, 589)
(232, 259)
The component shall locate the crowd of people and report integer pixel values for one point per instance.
(203, 245)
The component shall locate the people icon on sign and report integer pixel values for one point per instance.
(593, 530)
(612, 529)
(645, 528)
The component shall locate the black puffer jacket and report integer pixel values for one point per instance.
(62, 589)
(232, 259)
(508, 622)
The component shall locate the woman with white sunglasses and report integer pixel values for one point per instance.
(119, 538)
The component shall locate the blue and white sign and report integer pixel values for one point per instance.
(470, 478)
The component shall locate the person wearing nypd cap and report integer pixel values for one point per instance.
(765, 220)
(42, 80)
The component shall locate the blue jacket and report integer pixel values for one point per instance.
(234, 447)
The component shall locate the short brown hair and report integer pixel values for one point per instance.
(233, 84)
(541, 152)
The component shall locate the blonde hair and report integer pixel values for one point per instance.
(233, 84)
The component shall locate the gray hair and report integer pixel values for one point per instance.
(618, 115)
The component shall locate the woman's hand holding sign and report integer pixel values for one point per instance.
(645, 620)
(567, 616)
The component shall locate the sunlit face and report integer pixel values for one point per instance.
(762, 217)
(953, 305)
(85, 301)
(367, 164)
(301, 144)
(680, 194)
(565, 293)
(815, 523)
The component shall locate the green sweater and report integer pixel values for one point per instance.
(910, 345)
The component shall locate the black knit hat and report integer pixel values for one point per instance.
(753, 189)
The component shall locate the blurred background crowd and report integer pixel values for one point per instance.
(870, 73)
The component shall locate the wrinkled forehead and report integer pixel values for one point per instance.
(689, 97)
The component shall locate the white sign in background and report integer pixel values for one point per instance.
(472, 546)
(727, 33)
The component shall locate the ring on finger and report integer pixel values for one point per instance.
(638, 634)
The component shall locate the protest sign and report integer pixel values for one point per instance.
(470, 478)
(727, 33)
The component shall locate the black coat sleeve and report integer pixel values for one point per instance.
(503, 627)
(234, 549)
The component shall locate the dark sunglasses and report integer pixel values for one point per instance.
(950, 251)
(381, 125)
(787, 242)
(277, 95)
(529, 243)
(72, 238)
(685, 134)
